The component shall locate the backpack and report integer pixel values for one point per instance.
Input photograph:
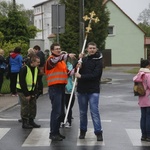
(138, 89)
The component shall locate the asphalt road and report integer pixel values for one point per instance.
(120, 115)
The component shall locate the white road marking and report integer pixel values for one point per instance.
(3, 131)
(101, 120)
(90, 139)
(135, 137)
(6, 119)
(47, 120)
(38, 137)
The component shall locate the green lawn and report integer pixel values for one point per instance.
(133, 71)
(5, 86)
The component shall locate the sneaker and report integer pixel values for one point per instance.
(55, 138)
(82, 135)
(67, 125)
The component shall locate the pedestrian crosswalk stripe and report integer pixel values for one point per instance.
(135, 137)
(101, 120)
(3, 131)
(88, 120)
(38, 137)
(7, 119)
(90, 139)
(46, 120)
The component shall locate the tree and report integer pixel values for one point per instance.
(28, 14)
(99, 30)
(144, 16)
(145, 28)
(6, 6)
(144, 19)
(70, 39)
(16, 27)
(16, 23)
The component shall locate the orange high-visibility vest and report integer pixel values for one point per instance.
(56, 75)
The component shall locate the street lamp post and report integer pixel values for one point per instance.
(81, 23)
(14, 4)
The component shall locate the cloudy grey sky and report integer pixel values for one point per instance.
(131, 7)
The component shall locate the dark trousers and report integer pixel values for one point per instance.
(13, 81)
(56, 94)
(40, 84)
(28, 108)
(67, 98)
(1, 79)
(145, 121)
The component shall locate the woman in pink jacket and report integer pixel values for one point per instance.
(144, 101)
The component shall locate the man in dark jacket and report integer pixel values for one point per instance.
(88, 90)
(41, 55)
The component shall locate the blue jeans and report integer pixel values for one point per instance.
(145, 121)
(56, 95)
(93, 100)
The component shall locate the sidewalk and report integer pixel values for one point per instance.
(7, 101)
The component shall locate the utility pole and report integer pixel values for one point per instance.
(81, 23)
(14, 4)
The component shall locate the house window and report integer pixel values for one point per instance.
(111, 30)
(38, 10)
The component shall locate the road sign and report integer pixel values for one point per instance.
(58, 18)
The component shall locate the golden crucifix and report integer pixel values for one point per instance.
(91, 18)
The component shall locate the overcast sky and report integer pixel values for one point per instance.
(131, 7)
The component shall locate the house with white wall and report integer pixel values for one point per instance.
(43, 21)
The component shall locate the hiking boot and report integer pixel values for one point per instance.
(25, 124)
(82, 134)
(99, 137)
(33, 124)
(55, 138)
